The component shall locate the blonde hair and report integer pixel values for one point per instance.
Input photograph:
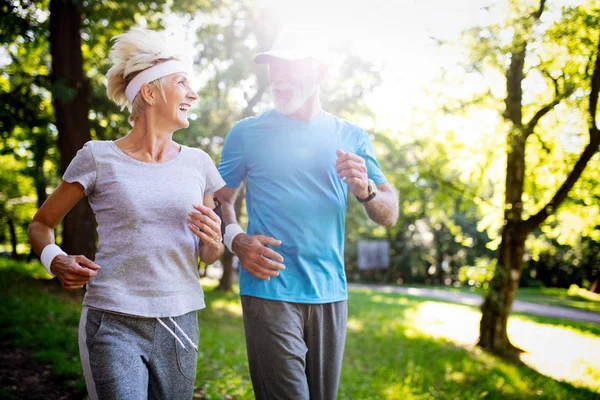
(133, 52)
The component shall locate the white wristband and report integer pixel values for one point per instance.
(48, 255)
(231, 231)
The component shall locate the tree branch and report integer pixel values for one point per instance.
(515, 74)
(559, 96)
(595, 90)
(539, 12)
(514, 90)
(530, 126)
(554, 81)
(592, 147)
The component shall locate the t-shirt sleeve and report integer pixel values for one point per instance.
(82, 169)
(365, 150)
(233, 161)
(214, 181)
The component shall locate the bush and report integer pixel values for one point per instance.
(477, 276)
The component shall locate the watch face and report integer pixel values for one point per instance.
(372, 187)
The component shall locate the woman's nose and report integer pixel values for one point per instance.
(192, 95)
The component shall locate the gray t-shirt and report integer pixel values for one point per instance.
(147, 254)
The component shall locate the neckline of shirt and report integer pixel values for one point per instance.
(127, 157)
(305, 122)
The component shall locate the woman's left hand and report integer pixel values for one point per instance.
(205, 224)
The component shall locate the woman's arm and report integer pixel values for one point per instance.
(206, 224)
(73, 271)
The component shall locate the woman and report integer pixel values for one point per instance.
(152, 201)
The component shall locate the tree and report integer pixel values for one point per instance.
(517, 225)
(71, 99)
(71, 75)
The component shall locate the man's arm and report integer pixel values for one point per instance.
(383, 208)
(255, 257)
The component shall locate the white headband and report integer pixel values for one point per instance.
(153, 73)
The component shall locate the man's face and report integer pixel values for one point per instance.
(292, 83)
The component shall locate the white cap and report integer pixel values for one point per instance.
(294, 45)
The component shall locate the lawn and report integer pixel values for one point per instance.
(398, 347)
(576, 298)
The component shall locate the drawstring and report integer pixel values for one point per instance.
(175, 336)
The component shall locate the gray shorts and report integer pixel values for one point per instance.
(127, 357)
(294, 350)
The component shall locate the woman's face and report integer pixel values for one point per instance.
(179, 98)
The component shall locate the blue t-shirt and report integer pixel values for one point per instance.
(293, 194)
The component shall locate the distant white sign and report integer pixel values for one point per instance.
(373, 254)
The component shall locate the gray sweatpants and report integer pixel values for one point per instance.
(127, 357)
(294, 350)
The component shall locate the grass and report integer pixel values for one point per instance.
(575, 298)
(398, 347)
(560, 297)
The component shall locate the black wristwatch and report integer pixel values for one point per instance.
(372, 188)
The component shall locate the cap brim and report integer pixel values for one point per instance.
(265, 57)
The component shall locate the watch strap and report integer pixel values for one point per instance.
(372, 193)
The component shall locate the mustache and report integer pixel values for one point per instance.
(283, 86)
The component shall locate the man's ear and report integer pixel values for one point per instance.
(148, 94)
(323, 72)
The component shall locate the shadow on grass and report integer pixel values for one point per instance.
(388, 358)
(387, 355)
(34, 317)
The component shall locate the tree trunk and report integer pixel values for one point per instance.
(71, 94)
(13, 236)
(498, 302)
(501, 293)
(40, 177)
(226, 282)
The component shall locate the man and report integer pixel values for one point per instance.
(299, 163)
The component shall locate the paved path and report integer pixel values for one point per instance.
(472, 299)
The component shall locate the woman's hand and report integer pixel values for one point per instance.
(73, 271)
(205, 224)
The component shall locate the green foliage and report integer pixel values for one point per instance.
(479, 275)
(33, 270)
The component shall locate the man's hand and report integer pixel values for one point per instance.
(352, 169)
(255, 257)
(73, 271)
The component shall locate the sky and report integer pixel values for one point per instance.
(398, 35)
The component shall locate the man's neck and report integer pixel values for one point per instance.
(309, 110)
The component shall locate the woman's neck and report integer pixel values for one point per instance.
(146, 142)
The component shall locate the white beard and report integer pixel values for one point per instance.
(299, 97)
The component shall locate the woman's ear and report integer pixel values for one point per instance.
(147, 93)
